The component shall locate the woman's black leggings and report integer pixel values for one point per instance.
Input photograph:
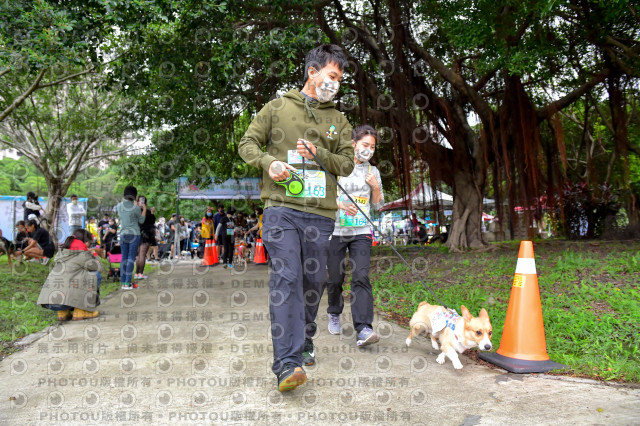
(227, 242)
(142, 257)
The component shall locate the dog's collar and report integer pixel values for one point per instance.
(463, 343)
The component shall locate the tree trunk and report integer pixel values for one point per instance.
(56, 191)
(619, 124)
(469, 170)
(466, 219)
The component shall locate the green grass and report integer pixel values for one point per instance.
(19, 290)
(589, 291)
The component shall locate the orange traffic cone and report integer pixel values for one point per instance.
(205, 257)
(259, 258)
(214, 252)
(523, 348)
(210, 253)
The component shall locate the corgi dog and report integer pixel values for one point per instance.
(456, 333)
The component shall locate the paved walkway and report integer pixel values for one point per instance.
(193, 347)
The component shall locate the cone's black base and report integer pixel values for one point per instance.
(519, 365)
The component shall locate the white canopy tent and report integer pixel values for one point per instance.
(421, 198)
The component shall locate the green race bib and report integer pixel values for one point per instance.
(315, 185)
(358, 219)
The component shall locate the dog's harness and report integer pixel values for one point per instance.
(442, 318)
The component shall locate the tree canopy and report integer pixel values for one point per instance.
(506, 99)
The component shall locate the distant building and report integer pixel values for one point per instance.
(10, 153)
(138, 147)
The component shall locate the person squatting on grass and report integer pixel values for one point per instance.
(296, 228)
(132, 216)
(39, 243)
(353, 232)
(74, 282)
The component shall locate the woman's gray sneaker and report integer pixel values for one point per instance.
(334, 324)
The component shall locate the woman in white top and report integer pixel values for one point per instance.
(353, 233)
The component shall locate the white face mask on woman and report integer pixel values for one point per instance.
(364, 154)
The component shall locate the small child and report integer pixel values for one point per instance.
(21, 236)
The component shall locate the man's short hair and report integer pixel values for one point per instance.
(73, 196)
(322, 55)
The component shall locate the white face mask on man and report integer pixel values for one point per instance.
(327, 89)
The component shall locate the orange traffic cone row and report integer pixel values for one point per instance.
(259, 257)
(210, 253)
(523, 347)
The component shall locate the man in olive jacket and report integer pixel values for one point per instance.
(296, 228)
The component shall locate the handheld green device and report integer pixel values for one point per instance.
(294, 183)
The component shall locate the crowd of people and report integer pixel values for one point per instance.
(154, 239)
(234, 231)
(157, 235)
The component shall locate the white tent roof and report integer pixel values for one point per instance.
(422, 198)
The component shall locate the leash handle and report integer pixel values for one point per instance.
(304, 142)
